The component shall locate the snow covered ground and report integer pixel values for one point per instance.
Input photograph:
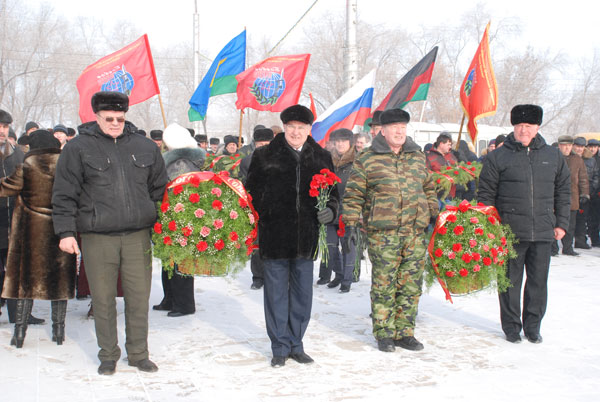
(222, 352)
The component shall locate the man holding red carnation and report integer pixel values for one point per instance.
(279, 182)
(529, 183)
(392, 188)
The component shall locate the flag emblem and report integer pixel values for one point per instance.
(267, 90)
(122, 81)
(469, 83)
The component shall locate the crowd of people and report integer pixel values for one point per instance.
(87, 202)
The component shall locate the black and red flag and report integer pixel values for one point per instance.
(414, 86)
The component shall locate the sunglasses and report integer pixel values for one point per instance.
(110, 119)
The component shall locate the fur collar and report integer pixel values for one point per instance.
(195, 155)
(344, 159)
(380, 146)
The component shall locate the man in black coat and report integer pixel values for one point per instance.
(279, 183)
(108, 181)
(529, 184)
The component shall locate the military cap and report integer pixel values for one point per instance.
(30, 125)
(214, 141)
(530, 114)
(376, 120)
(156, 134)
(565, 139)
(593, 141)
(263, 134)
(110, 100)
(297, 113)
(229, 139)
(580, 141)
(5, 117)
(342, 134)
(60, 128)
(201, 138)
(394, 116)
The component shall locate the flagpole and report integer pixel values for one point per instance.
(420, 119)
(162, 110)
(240, 134)
(460, 131)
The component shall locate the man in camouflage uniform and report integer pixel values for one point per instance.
(391, 186)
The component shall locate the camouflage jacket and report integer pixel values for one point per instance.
(391, 191)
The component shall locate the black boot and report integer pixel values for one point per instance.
(59, 312)
(22, 312)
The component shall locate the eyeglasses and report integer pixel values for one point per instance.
(110, 119)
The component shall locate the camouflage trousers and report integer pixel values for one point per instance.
(397, 276)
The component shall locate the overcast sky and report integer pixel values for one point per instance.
(569, 26)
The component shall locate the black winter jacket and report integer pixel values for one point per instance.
(279, 181)
(107, 185)
(529, 186)
(12, 157)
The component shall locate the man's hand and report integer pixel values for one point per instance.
(325, 216)
(69, 245)
(559, 233)
(351, 239)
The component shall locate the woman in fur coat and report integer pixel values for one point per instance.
(36, 267)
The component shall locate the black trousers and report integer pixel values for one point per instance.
(567, 240)
(257, 266)
(534, 259)
(179, 292)
(594, 221)
(581, 225)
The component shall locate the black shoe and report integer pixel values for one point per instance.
(322, 281)
(35, 321)
(334, 283)
(302, 358)
(178, 313)
(554, 253)
(256, 284)
(513, 338)
(163, 306)
(571, 253)
(386, 344)
(409, 342)
(144, 365)
(107, 367)
(78, 297)
(344, 288)
(278, 361)
(534, 338)
(583, 246)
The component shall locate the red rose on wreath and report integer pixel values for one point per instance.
(167, 240)
(476, 256)
(164, 207)
(451, 218)
(194, 198)
(233, 236)
(201, 245)
(479, 231)
(449, 274)
(458, 230)
(219, 244)
(442, 230)
(466, 257)
(158, 228)
(243, 203)
(178, 189)
(172, 226)
(463, 272)
(438, 253)
(218, 205)
(492, 220)
(487, 261)
(456, 247)
(187, 231)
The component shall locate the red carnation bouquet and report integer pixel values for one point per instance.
(206, 225)
(469, 249)
(320, 187)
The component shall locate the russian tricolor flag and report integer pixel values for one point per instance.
(352, 109)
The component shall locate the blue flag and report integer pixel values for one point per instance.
(220, 77)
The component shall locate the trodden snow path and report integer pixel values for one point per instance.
(222, 352)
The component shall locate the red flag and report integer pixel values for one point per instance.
(273, 84)
(479, 92)
(129, 70)
(313, 108)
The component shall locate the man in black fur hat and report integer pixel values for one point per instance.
(157, 137)
(375, 123)
(108, 181)
(529, 183)
(202, 140)
(279, 183)
(214, 144)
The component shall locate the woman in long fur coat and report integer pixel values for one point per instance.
(36, 267)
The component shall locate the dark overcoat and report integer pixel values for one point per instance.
(279, 182)
(36, 267)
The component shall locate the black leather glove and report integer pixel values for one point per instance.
(325, 216)
(350, 239)
(583, 200)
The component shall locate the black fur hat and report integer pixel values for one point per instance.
(229, 139)
(110, 100)
(201, 138)
(71, 132)
(394, 116)
(214, 141)
(342, 134)
(156, 134)
(297, 113)
(263, 134)
(5, 117)
(42, 139)
(376, 121)
(530, 114)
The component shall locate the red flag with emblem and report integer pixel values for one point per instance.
(479, 92)
(129, 71)
(273, 84)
